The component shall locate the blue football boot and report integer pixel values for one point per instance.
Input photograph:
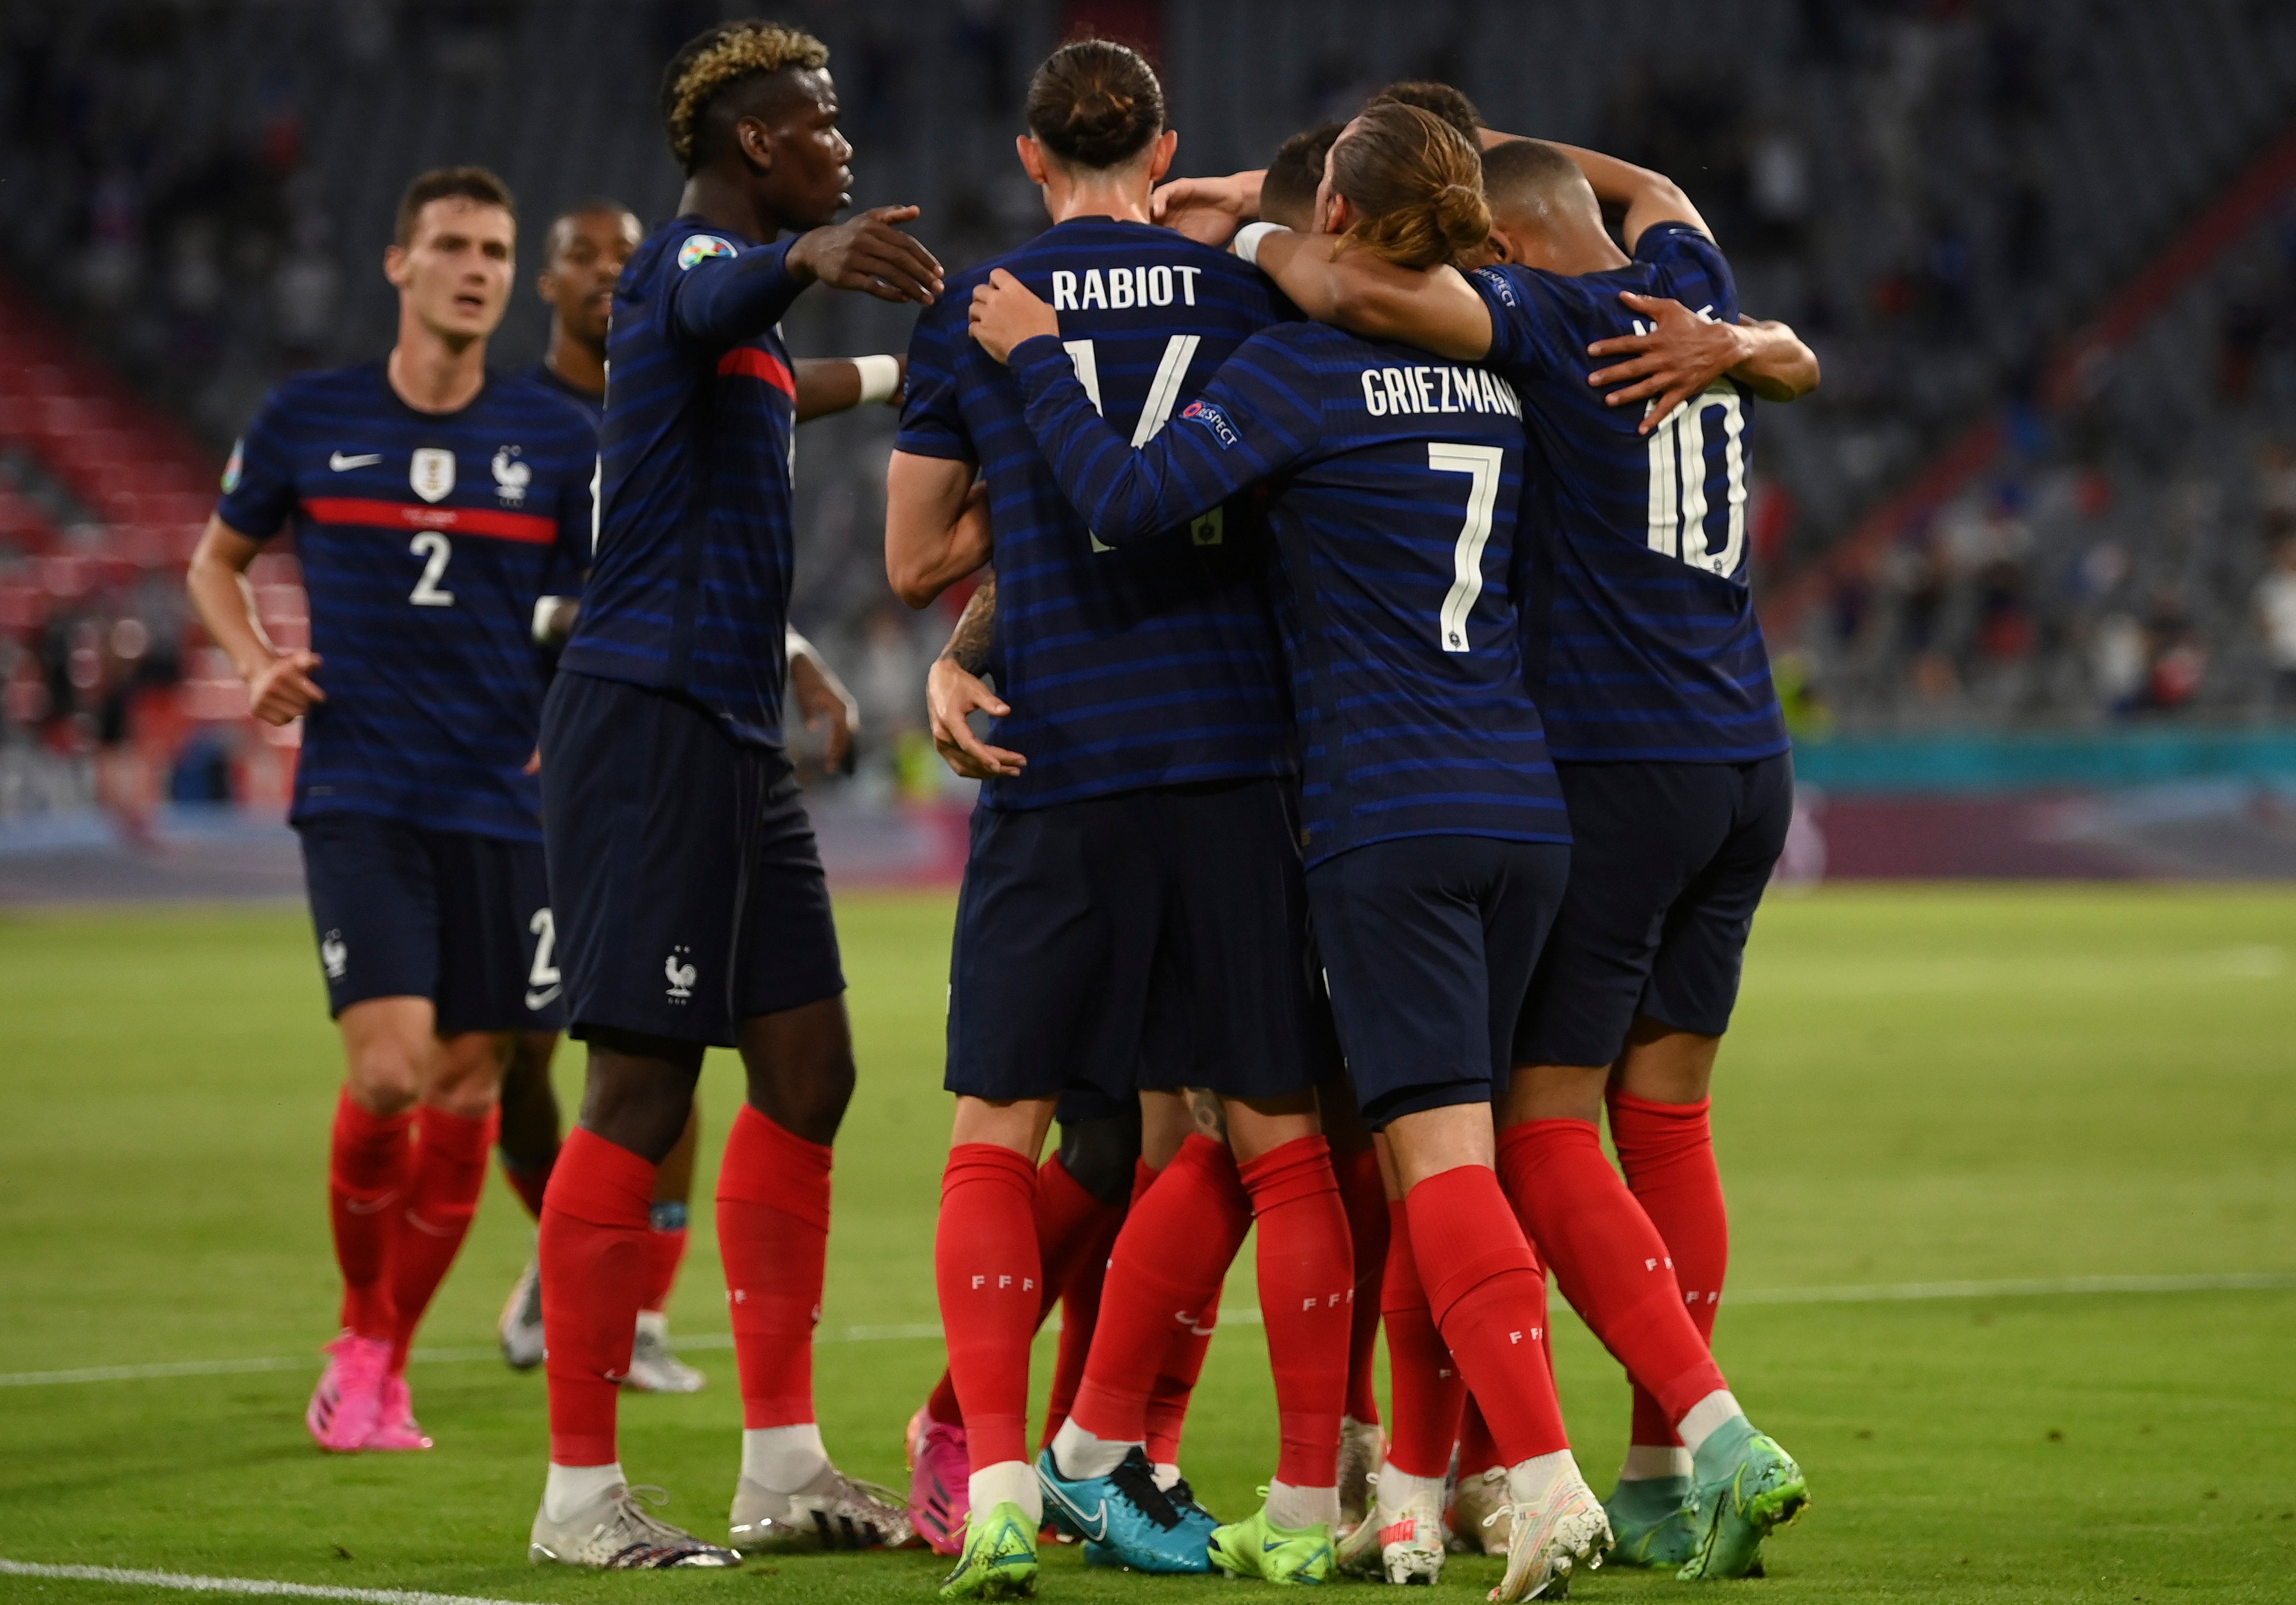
(1124, 1515)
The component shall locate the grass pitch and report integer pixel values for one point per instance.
(1924, 1085)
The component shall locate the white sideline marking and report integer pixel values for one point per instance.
(1887, 1292)
(186, 1583)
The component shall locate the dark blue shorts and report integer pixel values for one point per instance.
(1151, 938)
(1669, 866)
(1428, 943)
(462, 920)
(689, 892)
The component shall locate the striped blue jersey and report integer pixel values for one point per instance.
(1655, 652)
(425, 540)
(1394, 481)
(1153, 664)
(690, 583)
(593, 405)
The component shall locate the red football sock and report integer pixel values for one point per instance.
(941, 1404)
(986, 1264)
(1143, 1177)
(369, 1161)
(529, 1182)
(665, 1252)
(1176, 1382)
(1167, 1268)
(1086, 1239)
(1667, 1150)
(1477, 1452)
(1364, 1196)
(772, 1233)
(1427, 1388)
(1307, 1298)
(1489, 1302)
(450, 1171)
(593, 1265)
(1611, 1263)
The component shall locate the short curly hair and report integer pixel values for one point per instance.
(717, 57)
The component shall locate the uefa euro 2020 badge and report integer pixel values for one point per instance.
(512, 476)
(699, 249)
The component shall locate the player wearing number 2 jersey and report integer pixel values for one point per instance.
(433, 506)
(1672, 756)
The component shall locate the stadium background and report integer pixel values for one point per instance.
(2017, 559)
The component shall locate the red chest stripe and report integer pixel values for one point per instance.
(529, 526)
(759, 365)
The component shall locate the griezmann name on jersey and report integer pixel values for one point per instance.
(690, 583)
(1151, 665)
(425, 540)
(1397, 480)
(1655, 650)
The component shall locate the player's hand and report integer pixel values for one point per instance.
(951, 693)
(869, 254)
(1683, 353)
(820, 696)
(1006, 312)
(1208, 210)
(280, 692)
(533, 763)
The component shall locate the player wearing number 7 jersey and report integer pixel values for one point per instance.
(1673, 757)
(431, 503)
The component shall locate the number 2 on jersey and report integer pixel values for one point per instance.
(435, 549)
(1481, 463)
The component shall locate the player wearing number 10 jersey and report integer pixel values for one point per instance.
(433, 506)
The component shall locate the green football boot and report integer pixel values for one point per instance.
(1255, 1547)
(1000, 1557)
(1650, 1518)
(1743, 1487)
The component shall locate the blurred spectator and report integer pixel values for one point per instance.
(2275, 618)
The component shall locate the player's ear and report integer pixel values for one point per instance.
(755, 141)
(1160, 161)
(1032, 158)
(393, 266)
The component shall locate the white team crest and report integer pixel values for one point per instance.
(334, 954)
(512, 476)
(432, 472)
(681, 976)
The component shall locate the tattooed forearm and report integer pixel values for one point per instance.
(968, 648)
(1211, 1114)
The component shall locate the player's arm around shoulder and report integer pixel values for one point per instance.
(1434, 308)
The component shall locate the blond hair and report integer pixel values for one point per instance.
(722, 55)
(1417, 183)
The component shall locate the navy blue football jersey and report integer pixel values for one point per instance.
(1155, 665)
(1655, 652)
(1395, 480)
(425, 540)
(690, 582)
(591, 403)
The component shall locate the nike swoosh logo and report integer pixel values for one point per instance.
(535, 1000)
(338, 461)
(1076, 1511)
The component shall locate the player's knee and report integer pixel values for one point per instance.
(386, 1076)
(466, 1073)
(1099, 1153)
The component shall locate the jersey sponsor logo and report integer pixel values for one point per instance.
(1390, 392)
(233, 466)
(699, 249)
(431, 472)
(512, 476)
(340, 462)
(682, 975)
(1119, 288)
(1213, 417)
(334, 954)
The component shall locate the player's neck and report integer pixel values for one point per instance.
(722, 203)
(1578, 253)
(433, 375)
(1124, 203)
(575, 361)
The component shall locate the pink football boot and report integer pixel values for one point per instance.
(348, 1403)
(940, 1483)
(394, 1425)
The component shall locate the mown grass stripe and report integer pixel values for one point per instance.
(186, 1583)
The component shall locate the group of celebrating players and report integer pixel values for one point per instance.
(1384, 770)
